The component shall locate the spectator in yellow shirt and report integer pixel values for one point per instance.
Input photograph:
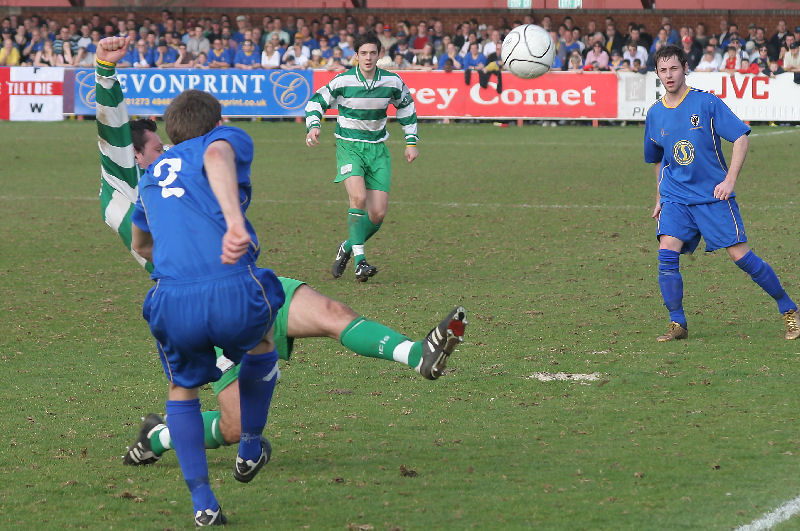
(9, 54)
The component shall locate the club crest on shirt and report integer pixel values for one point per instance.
(683, 152)
(695, 120)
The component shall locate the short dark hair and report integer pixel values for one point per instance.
(193, 113)
(138, 128)
(670, 51)
(366, 38)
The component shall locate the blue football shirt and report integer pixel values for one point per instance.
(177, 206)
(685, 139)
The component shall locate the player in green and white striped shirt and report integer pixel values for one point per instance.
(123, 147)
(362, 95)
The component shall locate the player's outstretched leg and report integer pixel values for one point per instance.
(440, 343)
(763, 275)
(154, 439)
(342, 257)
(141, 452)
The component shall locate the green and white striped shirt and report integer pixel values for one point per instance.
(362, 105)
(119, 173)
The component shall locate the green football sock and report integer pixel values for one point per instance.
(213, 435)
(371, 229)
(358, 231)
(374, 340)
(160, 441)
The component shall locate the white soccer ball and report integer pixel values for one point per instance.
(528, 51)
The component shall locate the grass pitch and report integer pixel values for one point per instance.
(543, 234)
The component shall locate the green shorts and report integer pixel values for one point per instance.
(371, 161)
(283, 343)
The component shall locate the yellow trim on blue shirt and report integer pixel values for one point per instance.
(664, 99)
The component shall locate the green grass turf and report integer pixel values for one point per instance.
(544, 234)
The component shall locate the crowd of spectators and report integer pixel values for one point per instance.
(327, 43)
(633, 48)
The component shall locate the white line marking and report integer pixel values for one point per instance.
(771, 519)
(783, 132)
(563, 377)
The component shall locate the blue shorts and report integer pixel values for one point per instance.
(719, 223)
(188, 318)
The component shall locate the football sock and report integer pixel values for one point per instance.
(372, 228)
(357, 229)
(161, 441)
(763, 275)
(257, 377)
(671, 283)
(374, 340)
(213, 435)
(184, 418)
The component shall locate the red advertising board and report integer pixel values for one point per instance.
(554, 95)
(4, 105)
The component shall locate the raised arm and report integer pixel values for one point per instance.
(119, 175)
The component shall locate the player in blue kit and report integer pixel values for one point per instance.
(694, 188)
(190, 222)
(127, 149)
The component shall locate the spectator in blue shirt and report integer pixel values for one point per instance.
(733, 35)
(452, 54)
(325, 48)
(246, 57)
(570, 43)
(673, 37)
(474, 60)
(141, 56)
(661, 40)
(218, 56)
(238, 35)
(165, 56)
(308, 41)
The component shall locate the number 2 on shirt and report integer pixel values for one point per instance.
(173, 166)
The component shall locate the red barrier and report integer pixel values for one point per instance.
(555, 95)
(4, 106)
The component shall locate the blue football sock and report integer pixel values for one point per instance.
(671, 283)
(257, 377)
(185, 423)
(763, 275)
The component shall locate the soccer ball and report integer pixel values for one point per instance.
(528, 51)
